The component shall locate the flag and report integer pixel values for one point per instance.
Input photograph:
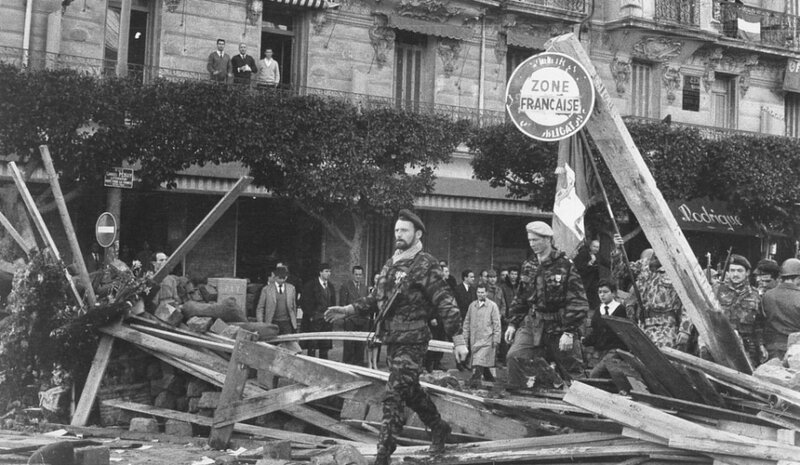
(749, 30)
(575, 192)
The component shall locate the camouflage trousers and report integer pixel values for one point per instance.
(405, 365)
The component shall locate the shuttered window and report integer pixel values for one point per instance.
(792, 114)
(723, 93)
(409, 50)
(642, 97)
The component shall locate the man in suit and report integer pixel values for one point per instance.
(465, 292)
(352, 290)
(243, 66)
(277, 304)
(318, 295)
(600, 339)
(219, 63)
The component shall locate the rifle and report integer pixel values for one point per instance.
(708, 267)
(377, 328)
(725, 265)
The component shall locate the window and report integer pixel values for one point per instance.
(723, 93)
(515, 56)
(644, 95)
(791, 113)
(138, 40)
(691, 93)
(413, 72)
(281, 31)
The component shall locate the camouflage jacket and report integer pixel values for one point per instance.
(423, 295)
(742, 306)
(662, 316)
(554, 287)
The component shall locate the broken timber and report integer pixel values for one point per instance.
(637, 185)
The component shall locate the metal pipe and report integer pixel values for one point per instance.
(482, 67)
(26, 34)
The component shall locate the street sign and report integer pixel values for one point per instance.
(119, 177)
(106, 230)
(550, 96)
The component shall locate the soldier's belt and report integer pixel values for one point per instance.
(404, 325)
(545, 316)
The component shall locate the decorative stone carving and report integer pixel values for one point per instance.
(254, 10)
(501, 47)
(657, 48)
(429, 10)
(172, 5)
(557, 29)
(712, 63)
(507, 20)
(381, 38)
(621, 72)
(318, 20)
(449, 51)
(750, 62)
(672, 81)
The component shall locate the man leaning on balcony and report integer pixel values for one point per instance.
(219, 63)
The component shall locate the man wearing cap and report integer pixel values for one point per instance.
(782, 309)
(410, 291)
(741, 304)
(549, 313)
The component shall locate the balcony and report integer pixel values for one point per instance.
(679, 12)
(708, 132)
(569, 10)
(757, 25)
(103, 69)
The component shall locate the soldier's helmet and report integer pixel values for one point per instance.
(790, 267)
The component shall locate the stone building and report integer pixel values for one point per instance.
(708, 62)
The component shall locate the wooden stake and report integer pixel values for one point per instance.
(205, 225)
(77, 255)
(92, 385)
(637, 185)
(23, 244)
(27, 198)
(231, 392)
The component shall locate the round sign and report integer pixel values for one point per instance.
(550, 96)
(106, 230)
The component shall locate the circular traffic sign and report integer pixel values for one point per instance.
(550, 96)
(106, 230)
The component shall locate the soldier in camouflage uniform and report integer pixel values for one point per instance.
(742, 305)
(550, 313)
(410, 292)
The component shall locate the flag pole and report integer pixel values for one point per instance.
(625, 258)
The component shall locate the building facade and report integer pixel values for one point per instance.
(705, 62)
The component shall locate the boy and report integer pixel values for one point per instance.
(599, 336)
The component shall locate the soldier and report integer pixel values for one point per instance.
(410, 291)
(782, 309)
(550, 313)
(742, 306)
(766, 274)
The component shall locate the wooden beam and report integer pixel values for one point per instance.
(322, 421)
(93, 380)
(205, 225)
(277, 399)
(231, 392)
(732, 376)
(21, 242)
(30, 204)
(738, 449)
(698, 409)
(72, 238)
(645, 200)
(358, 336)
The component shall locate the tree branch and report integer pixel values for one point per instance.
(332, 228)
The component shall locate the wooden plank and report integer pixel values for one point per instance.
(258, 431)
(738, 378)
(704, 386)
(738, 449)
(232, 391)
(277, 399)
(358, 336)
(93, 380)
(322, 421)
(645, 200)
(30, 204)
(194, 340)
(21, 242)
(413, 432)
(66, 221)
(697, 409)
(202, 228)
(645, 350)
(652, 382)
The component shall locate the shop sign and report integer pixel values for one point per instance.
(791, 80)
(710, 216)
(550, 96)
(119, 177)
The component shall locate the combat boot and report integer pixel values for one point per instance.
(439, 433)
(383, 459)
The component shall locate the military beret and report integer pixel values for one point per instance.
(539, 228)
(408, 215)
(737, 259)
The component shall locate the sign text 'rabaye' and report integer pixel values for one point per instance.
(550, 96)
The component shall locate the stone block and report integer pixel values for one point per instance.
(196, 387)
(792, 357)
(182, 404)
(95, 455)
(230, 331)
(209, 399)
(143, 425)
(199, 324)
(194, 404)
(794, 338)
(218, 327)
(178, 428)
(169, 314)
(779, 375)
(165, 399)
(339, 455)
(280, 449)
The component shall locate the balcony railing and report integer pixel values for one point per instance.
(682, 12)
(571, 6)
(104, 68)
(708, 132)
(757, 25)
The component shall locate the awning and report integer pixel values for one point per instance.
(317, 4)
(478, 205)
(710, 216)
(424, 27)
(523, 39)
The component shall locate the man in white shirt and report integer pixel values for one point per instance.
(270, 74)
